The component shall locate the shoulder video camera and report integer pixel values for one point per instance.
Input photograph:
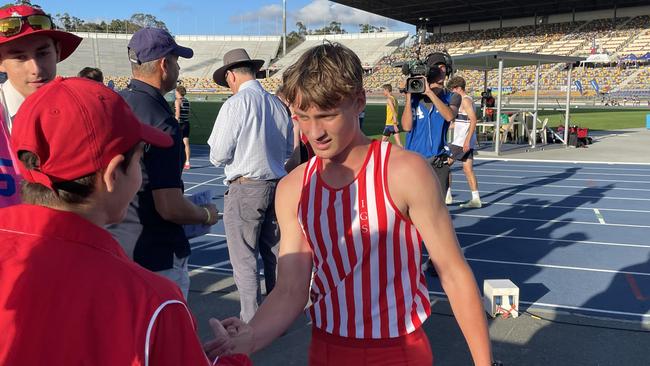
(415, 70)
(418, 71)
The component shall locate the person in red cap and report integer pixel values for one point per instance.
(30, 48)
(69, 295)
(349, 221)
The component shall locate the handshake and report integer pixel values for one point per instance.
(233, 342)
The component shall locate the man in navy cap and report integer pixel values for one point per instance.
(152, 232)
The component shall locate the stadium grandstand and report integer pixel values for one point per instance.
(617, 32)
(615, 39)
(370, 47)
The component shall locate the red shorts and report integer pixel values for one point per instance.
(330, 350)
(234, 360)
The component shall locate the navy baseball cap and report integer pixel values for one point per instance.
(153, 43)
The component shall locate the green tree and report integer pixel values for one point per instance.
(147, 20)
(368, 28)
(302, 30)
(293, 38)
(63, 21)
(332, 28)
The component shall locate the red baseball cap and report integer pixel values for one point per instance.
(68, 41)
(75, 126)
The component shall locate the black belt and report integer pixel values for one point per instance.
(241, 180)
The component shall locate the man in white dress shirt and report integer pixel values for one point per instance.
(252, 138)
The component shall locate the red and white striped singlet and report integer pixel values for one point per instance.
(368, 282)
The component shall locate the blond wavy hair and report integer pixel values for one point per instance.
(323, 76)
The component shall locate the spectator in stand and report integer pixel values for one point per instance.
(92, 73)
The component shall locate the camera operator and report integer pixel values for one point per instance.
(426, 116)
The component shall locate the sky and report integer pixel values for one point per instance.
(225, 17)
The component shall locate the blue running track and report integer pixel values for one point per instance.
(573, 237)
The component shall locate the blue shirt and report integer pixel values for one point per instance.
(428, 135)
(252, 136)
(154, 239)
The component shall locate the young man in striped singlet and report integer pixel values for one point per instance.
(464, 142)
(347, 214)
(391, 116)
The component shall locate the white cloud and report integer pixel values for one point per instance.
(316, 14)
(320, 12)
(97, 20)
(265, 13)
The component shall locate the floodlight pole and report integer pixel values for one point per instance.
(568, 104)
(497, 129)
(535, 104)
(284, 27)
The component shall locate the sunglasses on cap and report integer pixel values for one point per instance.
(12, 26)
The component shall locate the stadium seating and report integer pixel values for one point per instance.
(370, 47)
(621, 38)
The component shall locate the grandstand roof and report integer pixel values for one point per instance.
(448, 12)
(490, 60)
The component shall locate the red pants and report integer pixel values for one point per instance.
(409, 350)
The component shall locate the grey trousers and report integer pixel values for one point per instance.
(179, 274)
(251, 228)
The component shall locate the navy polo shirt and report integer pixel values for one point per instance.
(156, 240)
(428, 136)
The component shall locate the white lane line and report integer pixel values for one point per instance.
(198, 184)
(211, 246)
(205, 174)
(510, 194)
(563, 186)
(510, 170)
(217, 235)
(566, 164)
(556, 161)
(551, 240)
(584, 269)
(201, 184)
(588, 180)
(489, 238)
(569, 307)
(548, 221)
(202, 269)
(553, 205)
(599, 216)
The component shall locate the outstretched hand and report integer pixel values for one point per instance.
(221, 344)
(231, 336)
